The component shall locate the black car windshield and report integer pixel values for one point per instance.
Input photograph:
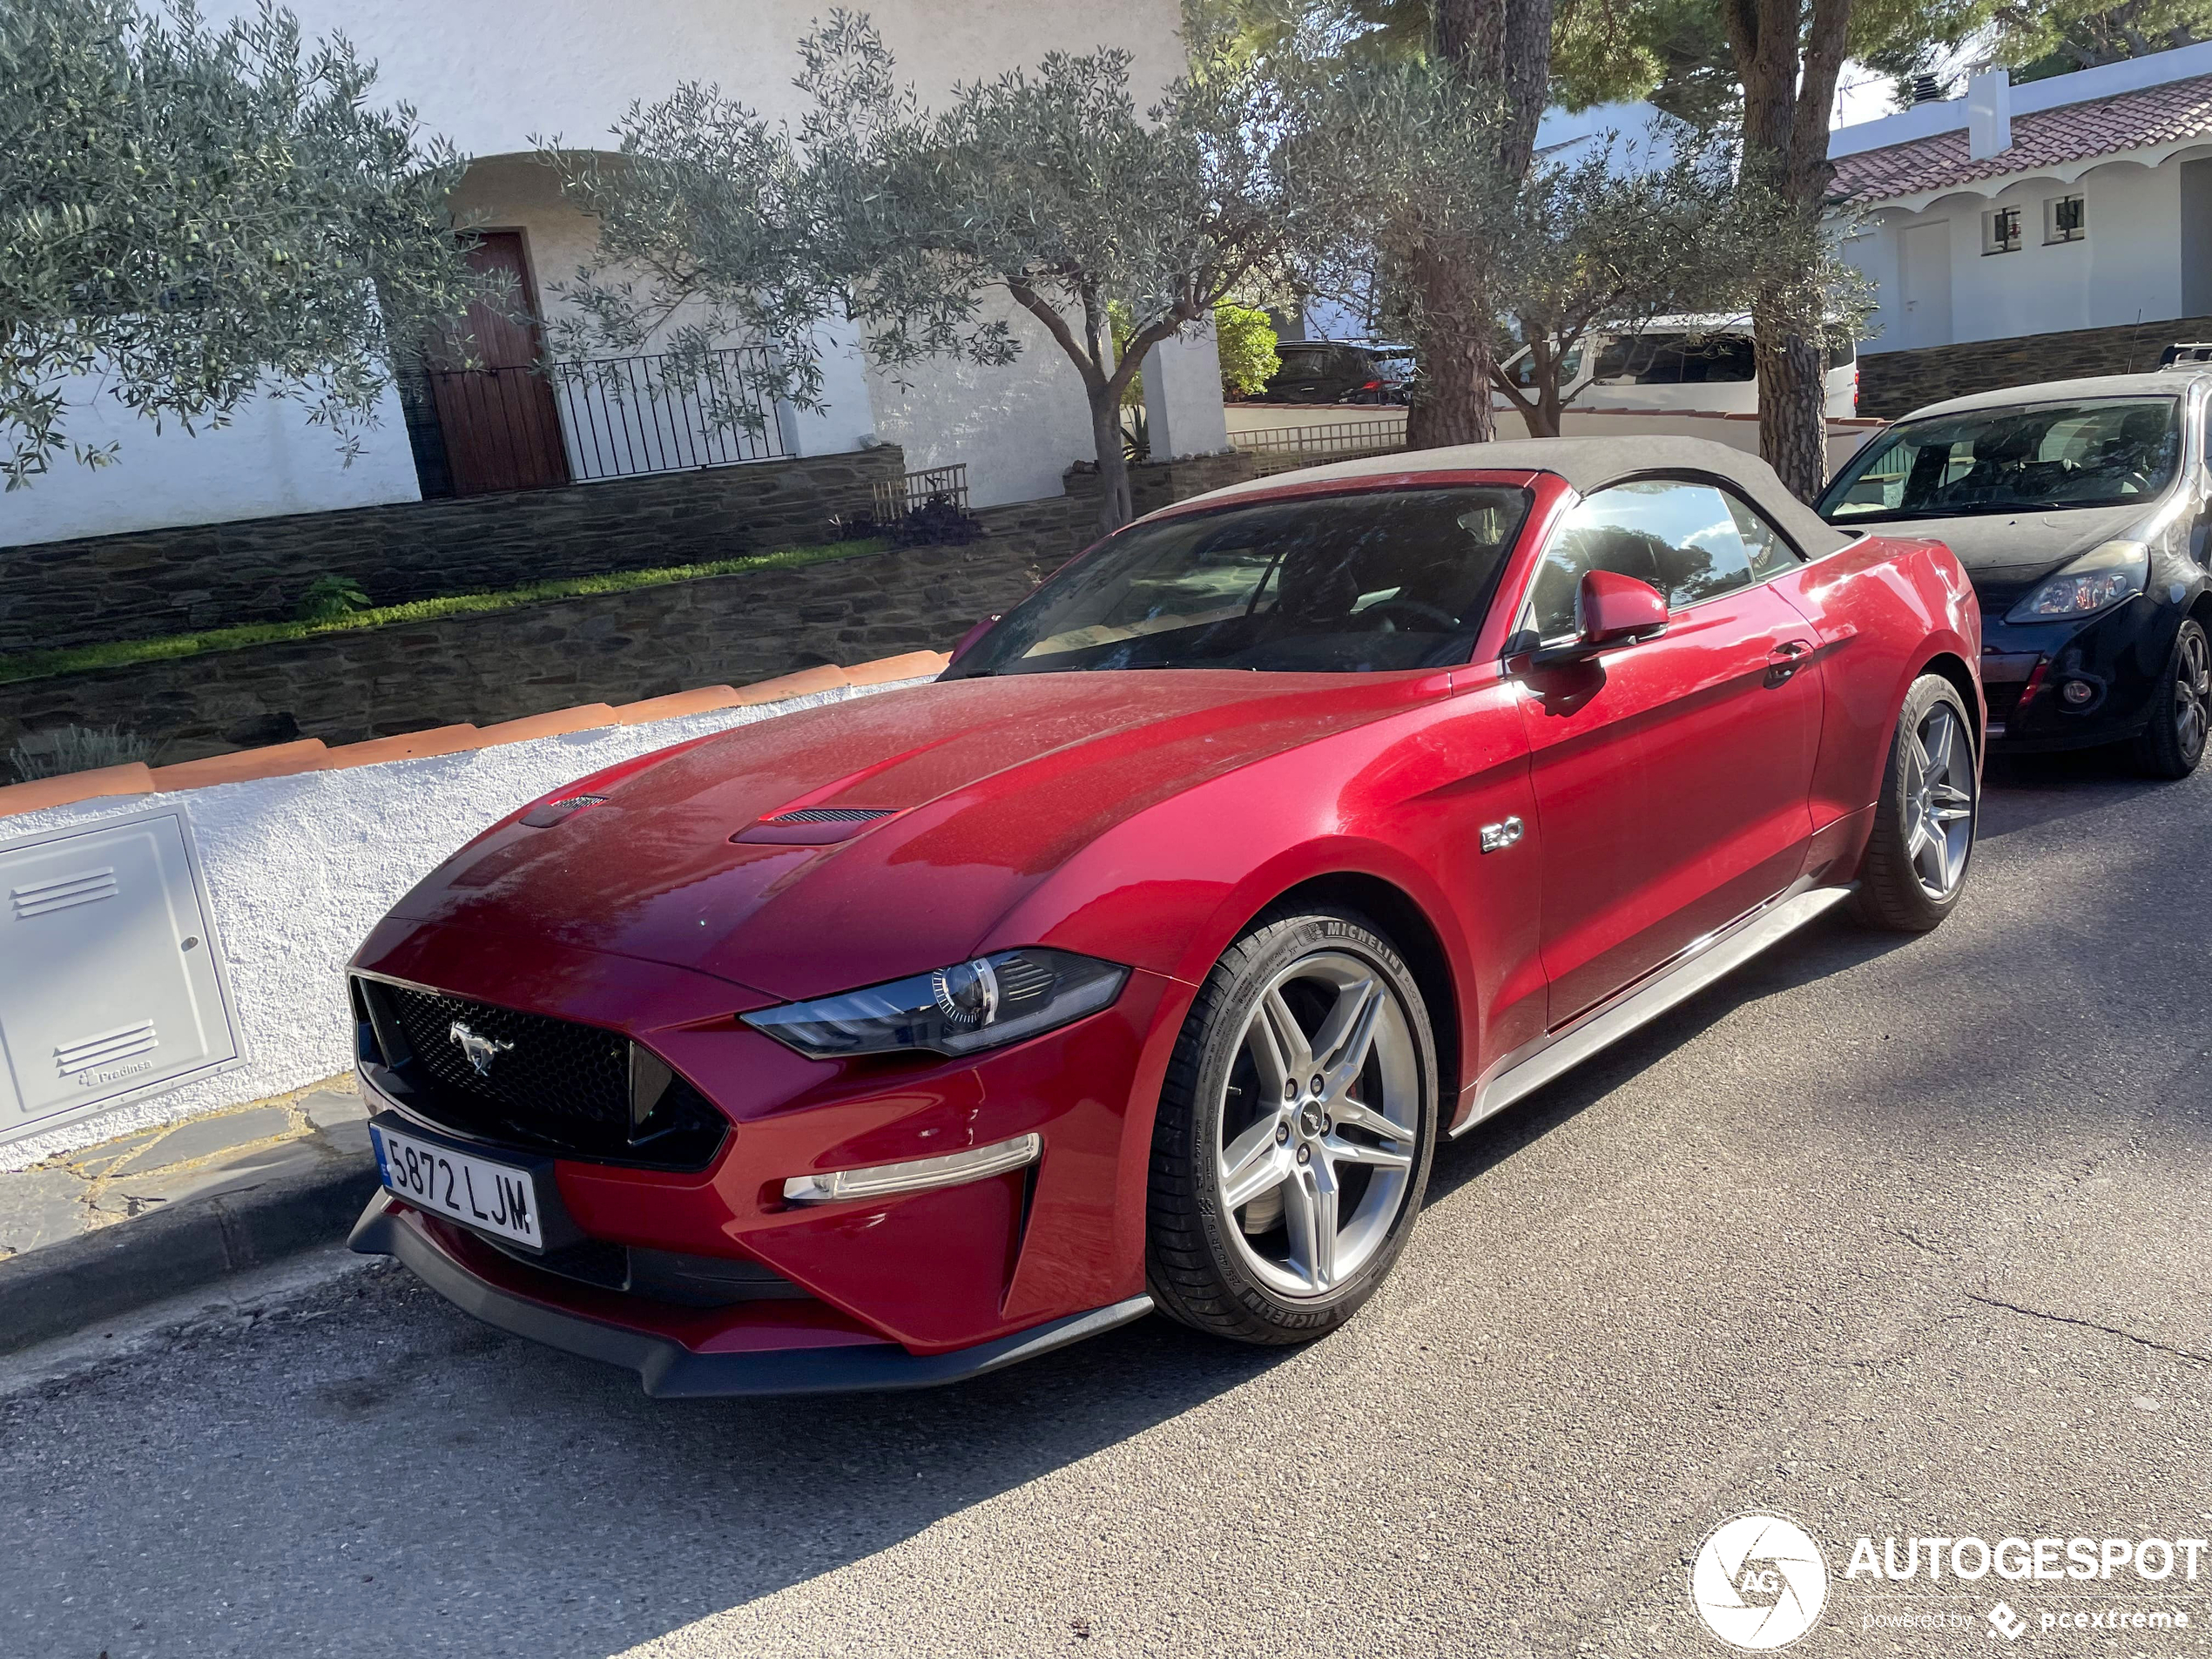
(1341, 583)
(2099, 452)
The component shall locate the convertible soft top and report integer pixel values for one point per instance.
(1588, 464)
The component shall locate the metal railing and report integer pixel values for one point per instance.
(626, 417)
(896, 497)
(1284, 448)
(480, 431)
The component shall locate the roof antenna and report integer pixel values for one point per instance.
(2131, 342)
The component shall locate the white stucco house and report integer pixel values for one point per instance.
(495, 86)
(2081, 201)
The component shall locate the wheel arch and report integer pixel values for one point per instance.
(1408, 927)
(1950, 666)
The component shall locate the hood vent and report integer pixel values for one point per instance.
(550, 813)
(811, 825)
(830, 815)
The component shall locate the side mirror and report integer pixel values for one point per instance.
(1610, 610)
(968, 640)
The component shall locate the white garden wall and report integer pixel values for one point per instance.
(267, 460)
(300, 868)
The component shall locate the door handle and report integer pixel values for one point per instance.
(1786, 659)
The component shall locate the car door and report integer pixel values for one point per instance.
(1672, 775)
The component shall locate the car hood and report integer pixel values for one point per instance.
(989, 785)
(2009, 550)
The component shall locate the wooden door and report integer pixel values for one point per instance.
(501, 429)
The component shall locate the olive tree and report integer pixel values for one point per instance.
(201, 214)
(1403, 154)
(1612, 240)
(1044, 192)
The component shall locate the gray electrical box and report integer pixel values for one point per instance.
(111, 982)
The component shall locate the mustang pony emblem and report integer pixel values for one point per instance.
(481, 1051)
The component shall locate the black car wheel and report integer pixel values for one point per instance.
(1295, 1131)
(1923, 823)
(2173, 743)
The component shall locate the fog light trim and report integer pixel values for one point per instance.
(916, 1175)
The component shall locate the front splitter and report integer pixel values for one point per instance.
(670, 1371)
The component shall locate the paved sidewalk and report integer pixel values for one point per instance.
(159, 1212)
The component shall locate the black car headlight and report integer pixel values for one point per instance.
(2097, 580)
(980, 1004)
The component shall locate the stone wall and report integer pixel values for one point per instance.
(502, 665)
(1153, 485)
(1891, 383)
(136, 586)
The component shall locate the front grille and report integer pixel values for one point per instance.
(546, 1084)
(830, 815)
(2003, 698)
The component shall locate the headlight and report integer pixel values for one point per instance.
(2100, 578)
(980, 1004)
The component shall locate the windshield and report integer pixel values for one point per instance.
(1397, 579)
(2101, 452)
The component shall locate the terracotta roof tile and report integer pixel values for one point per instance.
(912, 666)
(584, 717)
(803, 683)
(702, 701)
(277, 760)
(407, 745)
(2133, 120)
(132, 779)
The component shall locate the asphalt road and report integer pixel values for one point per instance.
(1883, 1237)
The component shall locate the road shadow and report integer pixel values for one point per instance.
(2024, 791)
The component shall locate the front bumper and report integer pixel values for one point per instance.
(671, 1370)
(2118, 656)
(954, 1275)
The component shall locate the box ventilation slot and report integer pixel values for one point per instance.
(88, 1054)
(46, 897)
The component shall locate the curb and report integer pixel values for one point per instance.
(62, 1288)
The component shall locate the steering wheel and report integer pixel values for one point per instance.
(1444, 620)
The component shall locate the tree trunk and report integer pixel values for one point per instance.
(1788, 71)
(1793, 423)
(1452, 397)
(1506, 44)
(1115, 506)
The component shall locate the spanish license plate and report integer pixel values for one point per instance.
(491, 1197)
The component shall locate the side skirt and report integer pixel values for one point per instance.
(1690, 973)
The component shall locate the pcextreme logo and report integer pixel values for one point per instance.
(1759, 1582)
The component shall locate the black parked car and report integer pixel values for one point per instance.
(1331, 371)
(2080, 510)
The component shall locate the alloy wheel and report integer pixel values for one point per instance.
(1939, 786)
(1318, 1124)
(2191, 692)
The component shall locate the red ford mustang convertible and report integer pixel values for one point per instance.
(1141, 960)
